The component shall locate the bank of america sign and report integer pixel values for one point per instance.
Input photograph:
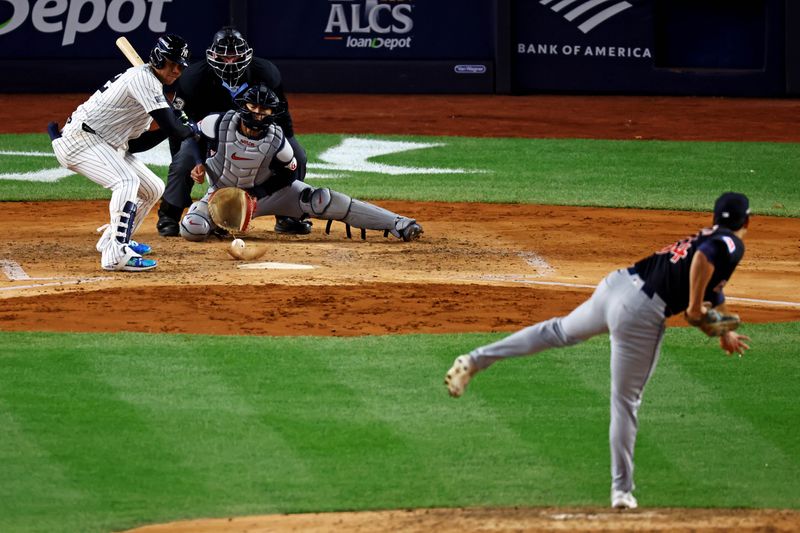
(587, 14)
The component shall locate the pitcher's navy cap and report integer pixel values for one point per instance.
(731, 210)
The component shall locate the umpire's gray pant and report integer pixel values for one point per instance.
(636, 324)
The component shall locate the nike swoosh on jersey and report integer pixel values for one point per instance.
(236, 157)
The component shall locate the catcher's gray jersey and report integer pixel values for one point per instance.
(243, 162)
(239, 160)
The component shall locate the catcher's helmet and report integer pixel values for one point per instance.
(172, 47)
(262, 96)
(229, 55)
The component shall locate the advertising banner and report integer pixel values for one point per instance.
(648, 46)
(373, 29)
(87, 29)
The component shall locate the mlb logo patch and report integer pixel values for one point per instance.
(729, 243)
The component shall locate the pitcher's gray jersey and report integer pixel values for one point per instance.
(240, 161)
(119, 111)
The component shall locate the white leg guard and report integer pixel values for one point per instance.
(197, 224)
(332, 205)
(113, 243)
(150, 191)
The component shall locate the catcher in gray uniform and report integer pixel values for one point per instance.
(250, 152)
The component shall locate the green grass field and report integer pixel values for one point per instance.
(641, 174)
(105, 432)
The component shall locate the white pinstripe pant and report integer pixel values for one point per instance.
(121, 172)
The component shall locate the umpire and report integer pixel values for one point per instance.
(208, 87)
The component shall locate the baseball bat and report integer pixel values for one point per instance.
(129, 51)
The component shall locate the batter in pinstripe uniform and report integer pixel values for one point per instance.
(101, 136)
(632, 304)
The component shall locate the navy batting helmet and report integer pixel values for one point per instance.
(229, 55)
(172, 47)
(264, 97)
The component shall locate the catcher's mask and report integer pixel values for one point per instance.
(172, 47)
(732, 210)
(259, 107)
(229, 55)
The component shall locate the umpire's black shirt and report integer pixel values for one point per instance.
(200, 92)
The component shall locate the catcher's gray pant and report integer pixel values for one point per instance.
(291, 201)
(636, 323)
(127, 177)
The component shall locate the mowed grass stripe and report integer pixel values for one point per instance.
(312, 414)
(689, 420)
(183, 394)
(562, 421)
(106, 449)
(758, 382)
(156, 427)
(27, 470)
(632, 174)
(402, 389)
(728, 405)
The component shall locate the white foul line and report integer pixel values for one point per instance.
(779, 303)
(768, 302)
(14, 272)
(54, 284)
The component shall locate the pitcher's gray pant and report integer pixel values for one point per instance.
(636, 324)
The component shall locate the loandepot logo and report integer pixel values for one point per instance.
(587, 14)
(353, 154)
(83, 16)
(357, 23)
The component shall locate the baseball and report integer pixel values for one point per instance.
(237, 244)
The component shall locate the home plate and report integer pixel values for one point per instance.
(274, 266)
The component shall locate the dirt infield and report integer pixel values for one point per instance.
(487, 267)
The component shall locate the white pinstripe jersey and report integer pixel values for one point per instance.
(119, 111)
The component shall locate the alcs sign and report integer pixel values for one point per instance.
(47, 16)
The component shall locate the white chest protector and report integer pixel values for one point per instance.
(240, 161)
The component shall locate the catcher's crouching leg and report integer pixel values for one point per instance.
(332, 205)
(197, 225)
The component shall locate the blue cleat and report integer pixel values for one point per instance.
(139, 264)
(139, 248)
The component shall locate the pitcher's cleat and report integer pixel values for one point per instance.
(623, 500)
(457, 378)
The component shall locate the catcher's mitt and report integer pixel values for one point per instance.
(714, 324)
(231, 208)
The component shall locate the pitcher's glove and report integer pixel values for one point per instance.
(714, 323)
(231, 208)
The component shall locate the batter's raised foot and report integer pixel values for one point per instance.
(457, 378)
(623, 500)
